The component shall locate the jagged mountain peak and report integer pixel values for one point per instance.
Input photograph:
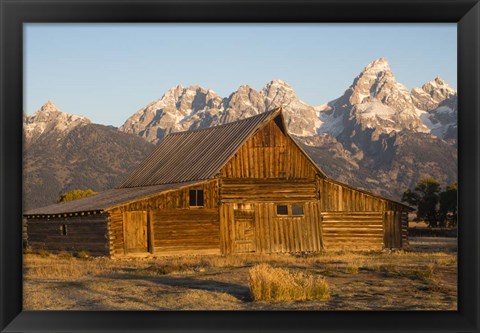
(438, 86)
(277, 83)
(430, 95)
(379, 65)
(49, 106)
(50, 112)
(49, 118)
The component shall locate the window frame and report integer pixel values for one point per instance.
(63, 230)
(301, 207)
(281, 205)
(289, 209)
(196, 198)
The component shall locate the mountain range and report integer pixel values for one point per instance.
(377, 135)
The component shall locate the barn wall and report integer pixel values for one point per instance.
(269, 154)
(338, 197)
(186, 230)
(353, 230)
(274, 190)
(170, 202)
(84, 233)
(269, 233)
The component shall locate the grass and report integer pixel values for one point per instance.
(419, 279)
(268, 283)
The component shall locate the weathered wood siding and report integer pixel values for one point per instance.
(274, 190)
(353, 230)
(84, 233)
(269, 154)
(186, 230)
(395, 224)
(405, 242)
(169, 202)
(339, 197)
(271, 232)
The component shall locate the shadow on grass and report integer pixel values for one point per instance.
(242, 293)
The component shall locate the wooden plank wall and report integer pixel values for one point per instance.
(185, 230)
(275, 233)
(353, 230)
(167, 201)
(338, 197)
(269, 154)
(84, 233)
(273, 190)
(405, 229)
(394, 230)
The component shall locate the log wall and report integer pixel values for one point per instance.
(353, 230)
(335, 196)
(185, 230)
(84, 233)
(273, 190)
(168, 202)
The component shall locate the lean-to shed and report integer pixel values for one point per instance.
(245, 186)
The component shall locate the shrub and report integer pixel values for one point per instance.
(75, 194)
(279, 284)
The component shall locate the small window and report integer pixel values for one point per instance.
(63, 229)
(196, 198)
(297, 210)
(282, 210)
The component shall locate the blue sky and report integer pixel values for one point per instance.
(107, 72)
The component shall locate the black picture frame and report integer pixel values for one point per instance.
(466, 13)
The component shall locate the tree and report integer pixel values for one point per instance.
(425, 196)
(448, 206)
(75, 194)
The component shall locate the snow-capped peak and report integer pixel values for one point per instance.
(50, 118)
(48, 107)
(379, 65)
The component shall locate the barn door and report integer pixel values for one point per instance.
(244, 231)
(135, 231)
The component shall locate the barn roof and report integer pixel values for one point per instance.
(107, 199)
(197, 154)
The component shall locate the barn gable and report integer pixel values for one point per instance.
(270, 153)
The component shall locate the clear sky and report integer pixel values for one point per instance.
(107, 72)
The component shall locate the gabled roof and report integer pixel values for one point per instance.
(197, 154)
(107, 199)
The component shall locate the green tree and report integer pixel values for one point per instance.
(425, 196)
(448, 206)
(75, 194)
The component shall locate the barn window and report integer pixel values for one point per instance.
(196, 198)
(297, 210)
(63, 229)
(282, 210)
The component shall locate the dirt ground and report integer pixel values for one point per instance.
(421, 278)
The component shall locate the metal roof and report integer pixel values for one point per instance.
(107, 199)
(195, 155)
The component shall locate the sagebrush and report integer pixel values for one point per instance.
(268, 283)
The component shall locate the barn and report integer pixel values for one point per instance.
(242, 187)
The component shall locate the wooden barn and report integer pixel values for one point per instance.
(246, 186)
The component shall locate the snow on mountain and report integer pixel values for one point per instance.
(179, 109)
(50, 119)
(183, 108)
(375, 100)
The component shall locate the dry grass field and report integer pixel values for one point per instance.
(422, 278)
